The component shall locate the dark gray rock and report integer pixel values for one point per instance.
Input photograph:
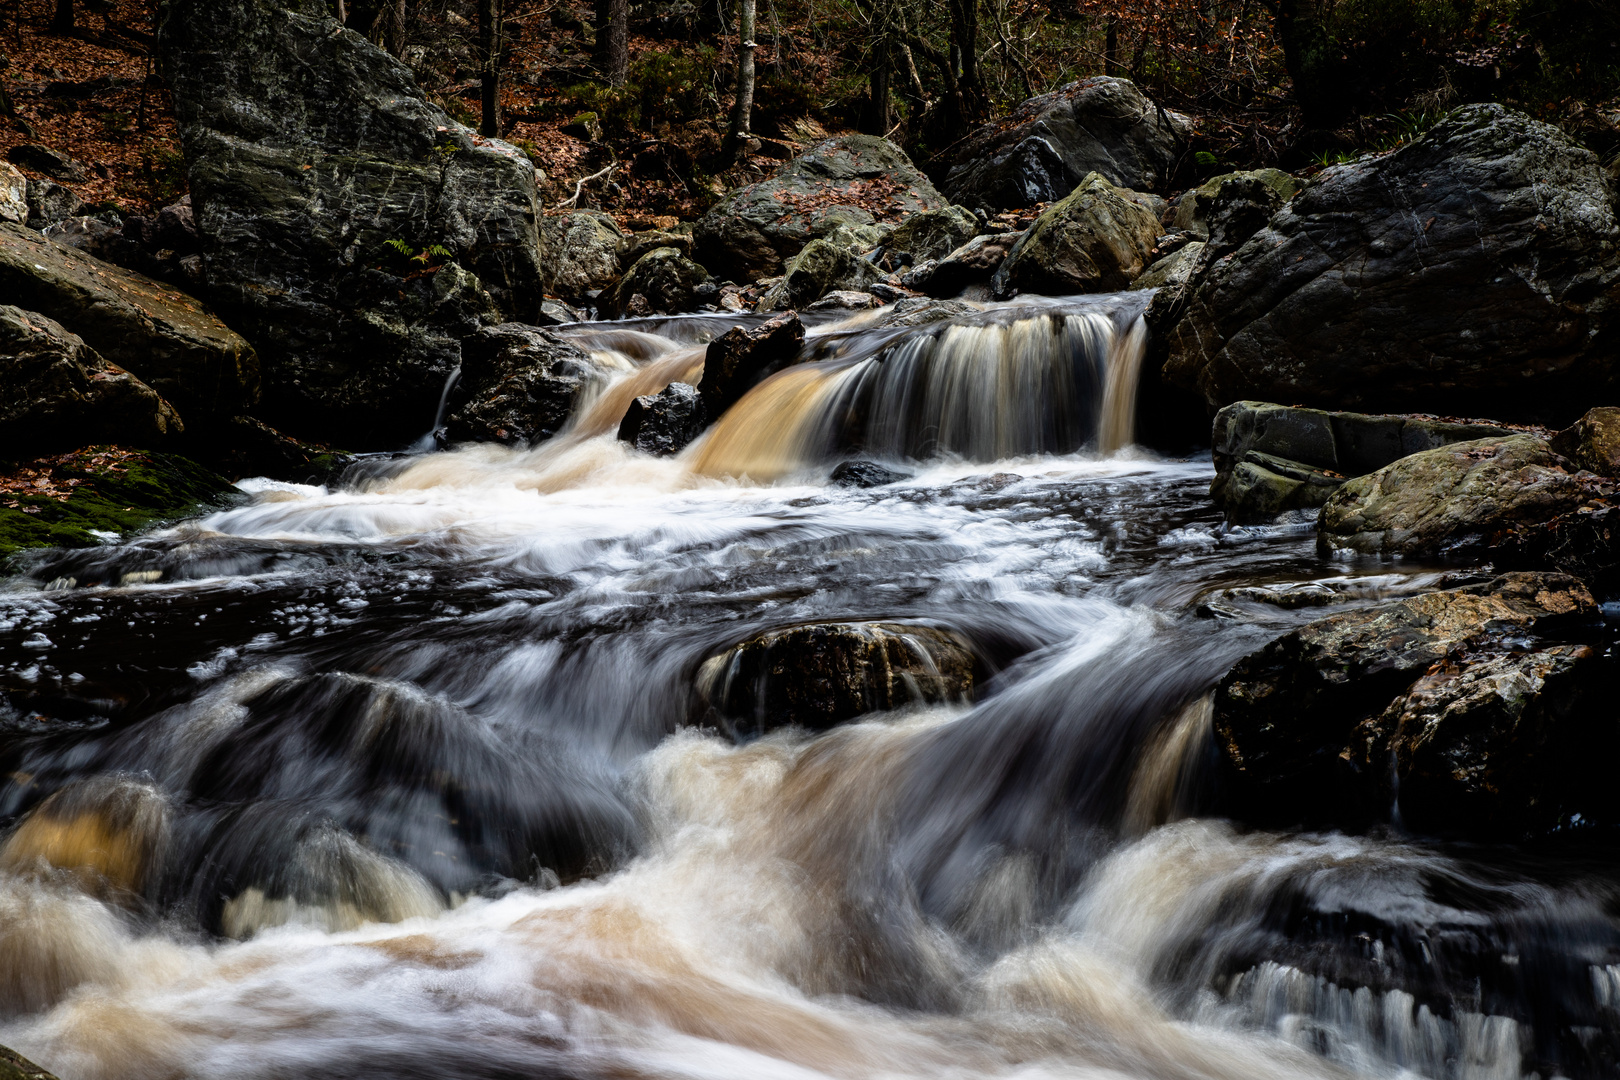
(974, 263)
(665, 278)
(1095, 240)
(1192, 209)
(53, 163)
(865, 474)
(50, 203)
(1049, 144)
(518, 385)
(308, 151)
(845, 300)
(663, 423)
(748, 234)
(933, 234)
(820, 268)
(1476, 269)
(741, 358)
(243, 446)
(1273, 458)
(56, 392)
(822, 674)
(582, 252)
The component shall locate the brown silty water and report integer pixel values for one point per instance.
(410, 777)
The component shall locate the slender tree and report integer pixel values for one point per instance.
(489, 57)
(1314, 61)
(739, 135)
(62, 20)
(613, 40)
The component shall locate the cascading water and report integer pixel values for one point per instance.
(401, 779)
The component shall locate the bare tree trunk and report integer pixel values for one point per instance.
(969, 96)
(1111, 48)
(62, 20)
(396, 32)
(742, 115)
(489, 50)
(1313, 60)
(613, 40)
(876, 118)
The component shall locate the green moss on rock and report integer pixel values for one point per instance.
(67, 500)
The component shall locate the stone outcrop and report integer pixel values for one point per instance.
(664, 423)
(820, 268)
(934, 233)
(1095, 240)
(1258, 188)
(1449, 712)
(312, 158)
(519, 385)
(851, 180)
(1049, 144)
(582, 252)
(1273, 458)
(167, 339)
(666, 281)
(57, 392)
(741, 358)
(1476, 268)
(1467, 498)
(818, 675)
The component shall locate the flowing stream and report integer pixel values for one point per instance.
(406, 777)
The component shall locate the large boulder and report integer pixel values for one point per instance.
(519, 385)
(932, 234)
(742, 357)
(1592, 442)
(974, 263)
(56, 392)
(325, 188)
(1050, 143)
(1453, 711)
(821, 674)
(1273, 458)
(1098, 239)
(1254, 189)
(850, 180)
(1475, 269)
(1465, 498)
(582, 252)
(666, 281)
(664, 423)
(167, 339)
(820, 268)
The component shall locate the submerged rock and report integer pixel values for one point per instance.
(1096, 240)
(865, 474)
(1432, 699)
(665, 422)
(741, 358)
(1272, 458)
(324, 183)
(169, 340)
(56, 391)
(822, 674)
(86, 497)
(518, 384)
(842, 181)
(1050, 143)
(666, 280)
(1476, 268)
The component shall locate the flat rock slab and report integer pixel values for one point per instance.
(169, 340)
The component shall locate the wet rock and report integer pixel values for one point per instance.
(1592, 442)
(741, 358)
(13, 1066)
(749, 233)
(638, 244)
(56, 392)
(1477, 268)
(81, 498)
(934, 233)
(865, 474)
(518, 385)
(663, 423)
(822, 674)
(820, 268)
(50, 203)
(13, 195)
(1095, 240)
(918, 311)
(555, 313)
(243, 446)
(845, 300)
(1273, 458)
(1192, 212)
(1050, 143)
(1465, 498)
(974, 263)
(167, 339)
(582, 253)
(1292, 719)
(53, 163)
(307, 166)
(1174, 270)
(666, 279)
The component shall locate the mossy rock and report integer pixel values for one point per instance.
(13, 1066)
(66, 501)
